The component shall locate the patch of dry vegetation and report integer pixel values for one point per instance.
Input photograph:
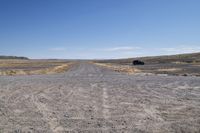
(32, 67)
(169, 70)
(119, 68)
(57, 69)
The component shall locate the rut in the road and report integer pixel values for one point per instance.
(106, 112)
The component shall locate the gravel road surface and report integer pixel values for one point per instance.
(91, 99)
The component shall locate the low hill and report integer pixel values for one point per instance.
(12, 57)
(180, 58)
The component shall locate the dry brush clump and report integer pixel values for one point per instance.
(169, 69)
(119, 68)
(57, 69)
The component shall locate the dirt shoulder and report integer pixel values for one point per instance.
(32, 67)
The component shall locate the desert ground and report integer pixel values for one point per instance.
(178, 65)
(32, 67)
(89, 98)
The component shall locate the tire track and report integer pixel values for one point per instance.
(106, 112)
(47, 115)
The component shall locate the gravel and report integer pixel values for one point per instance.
(88, 98)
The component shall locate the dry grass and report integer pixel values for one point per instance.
(119, 68)
(169, 70)
(32, 67)
(57, 69)
(11, 63)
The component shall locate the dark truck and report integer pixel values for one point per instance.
(138, 62)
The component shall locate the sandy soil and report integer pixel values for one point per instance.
(90, 99)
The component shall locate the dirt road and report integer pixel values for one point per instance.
(89, 98)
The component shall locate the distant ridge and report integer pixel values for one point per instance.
(13, 57)
(178, 58)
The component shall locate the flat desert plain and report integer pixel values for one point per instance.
(88, 98)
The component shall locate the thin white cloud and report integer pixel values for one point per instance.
(121, 49)
(121, 52)
(180, 49)
(57, 49)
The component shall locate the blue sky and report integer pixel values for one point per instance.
(98, 28)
